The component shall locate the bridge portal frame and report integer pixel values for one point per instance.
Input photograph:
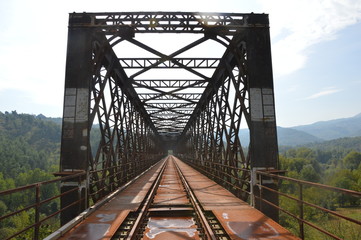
(131, 135)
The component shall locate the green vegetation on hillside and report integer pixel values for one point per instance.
(333, 165)
(27, 143)
(29, 153)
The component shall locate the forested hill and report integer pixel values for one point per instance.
(346, 143)
(29, 153)
(27, 142)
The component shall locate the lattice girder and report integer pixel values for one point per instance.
(141, 98)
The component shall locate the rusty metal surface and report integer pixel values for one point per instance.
(239, 219)
(249, 223)
(103, 223)
(100, 225)
(210, 194)
(170, 201)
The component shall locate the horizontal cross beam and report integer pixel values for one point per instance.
(170, 83)
(128, 23)
(207, 63)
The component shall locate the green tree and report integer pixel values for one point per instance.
(352, 160)
(346, 179)
(308, 173)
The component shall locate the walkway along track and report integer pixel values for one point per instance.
(172, 201)
(171, 211)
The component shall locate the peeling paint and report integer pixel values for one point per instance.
(158, 226)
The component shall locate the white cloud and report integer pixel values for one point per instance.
(324, 92)
(297, 25)
(33, 43)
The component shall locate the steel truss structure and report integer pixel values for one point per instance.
(121, 113)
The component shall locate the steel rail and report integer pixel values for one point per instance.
(147, 202)
(199, 211)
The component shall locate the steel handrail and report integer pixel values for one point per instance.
(38, 202)
(33, 185)
(342, 190)
(301, 202)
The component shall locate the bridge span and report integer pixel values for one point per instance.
(173, 201)
(140, 86)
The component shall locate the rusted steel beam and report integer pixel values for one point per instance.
(170, 22)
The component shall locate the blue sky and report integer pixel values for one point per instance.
(316, 51)
(327, 86)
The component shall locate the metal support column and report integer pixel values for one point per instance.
(263, 135)
(75, 134)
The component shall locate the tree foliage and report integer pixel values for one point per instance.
(27, 143)
(29, 153)
(338, 165)
(352, 160)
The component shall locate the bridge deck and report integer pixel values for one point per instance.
(238, 219)
(103, 223)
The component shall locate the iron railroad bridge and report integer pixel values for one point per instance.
(190, 101)
(195, 86)
(146, 101)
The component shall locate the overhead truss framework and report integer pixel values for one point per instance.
(142, 90)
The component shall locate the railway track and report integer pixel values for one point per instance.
(170, 210)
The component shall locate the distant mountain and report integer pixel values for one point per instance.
(314, 133)
(293, 137)
(286, 137)
(300, 135)
(333, 129)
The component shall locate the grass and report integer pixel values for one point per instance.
(335, 225)
(352, 212)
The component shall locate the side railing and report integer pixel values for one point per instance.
(35, 209)
(307, 209)
(312, 210)
(41, 214)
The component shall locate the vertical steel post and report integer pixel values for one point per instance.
(37, 211)
(300, 206)
(75, 134)
(263, 145)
